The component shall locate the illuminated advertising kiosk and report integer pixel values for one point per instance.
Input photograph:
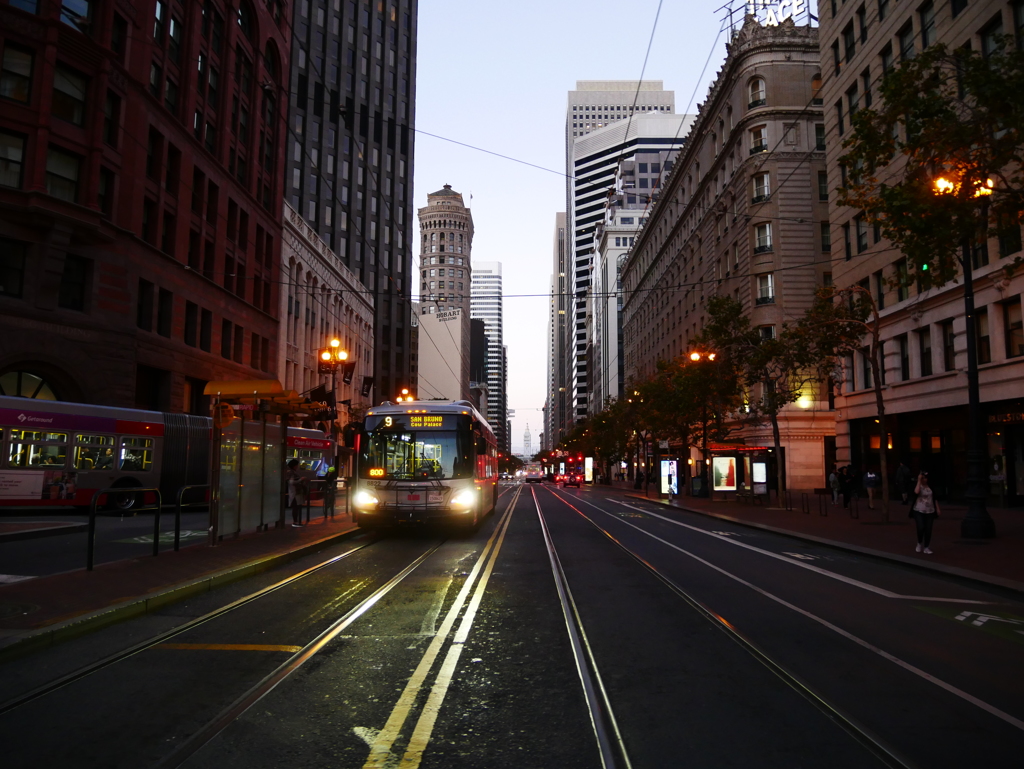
(741, 469)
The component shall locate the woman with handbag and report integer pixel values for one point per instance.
(926, 510)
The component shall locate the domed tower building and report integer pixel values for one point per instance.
(446, 242)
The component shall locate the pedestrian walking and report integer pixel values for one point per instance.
(639, 483)
(925, 511)
(845, 482)
(871, 482)
(296, 492)
(330, 491)
(903, 483)
(833, 483)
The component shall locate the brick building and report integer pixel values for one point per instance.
(141, 162)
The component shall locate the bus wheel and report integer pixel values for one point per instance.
(122, 501)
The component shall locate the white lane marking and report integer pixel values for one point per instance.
(981, 619)
(366, 734)
(990, 709)
(380, 750)
(428, 716)
(817, 569)
(802, 556)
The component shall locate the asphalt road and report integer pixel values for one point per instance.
(646, 636)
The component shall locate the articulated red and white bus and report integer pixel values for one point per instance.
(60, 453)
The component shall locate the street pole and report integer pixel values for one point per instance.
(978, 524)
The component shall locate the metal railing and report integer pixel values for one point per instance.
(178, 508)
(90, 551)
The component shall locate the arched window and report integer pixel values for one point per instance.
(272, 61)
(757, 93)
(24, 384)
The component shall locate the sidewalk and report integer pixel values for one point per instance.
(39, 612)
(998, 561)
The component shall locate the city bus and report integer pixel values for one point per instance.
(59, 453)
(423, 461)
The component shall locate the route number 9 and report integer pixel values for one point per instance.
(387, 421)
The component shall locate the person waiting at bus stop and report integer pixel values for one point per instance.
(296, 491)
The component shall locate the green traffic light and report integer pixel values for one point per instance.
(924, 268)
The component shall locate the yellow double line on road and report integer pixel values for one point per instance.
(380, 751)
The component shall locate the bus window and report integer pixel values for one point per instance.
(310, 460)
(136, 454)
(90, 450)
(35, 448)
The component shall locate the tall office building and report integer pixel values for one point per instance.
(555, 418)
(446, 226)
(605, 123)
(350, 155)
(485, 304)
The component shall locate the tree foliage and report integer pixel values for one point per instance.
(954, 114)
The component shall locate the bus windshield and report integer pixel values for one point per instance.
(394, 452)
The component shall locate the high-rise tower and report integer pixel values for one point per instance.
(446, 225)
(350, 155)
(485, 304)
(606, 122)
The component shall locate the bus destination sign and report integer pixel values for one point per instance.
(426, 421)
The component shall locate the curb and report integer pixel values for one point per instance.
(46, 531)
(952, 571)
(15, 646)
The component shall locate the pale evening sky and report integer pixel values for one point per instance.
(495, 76)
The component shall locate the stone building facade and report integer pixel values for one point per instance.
(141, 163)
(923, 329)
(742, 212)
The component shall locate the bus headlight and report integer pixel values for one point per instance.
(364, 499)
(465, 498)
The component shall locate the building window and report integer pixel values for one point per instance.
(886, 58)
(225, 339)
(12, 154)
(144, 306)
(111, 118)
(883, 9)
(819, 137)
(926, 15)
(73, 280)
(948, 346)
(823, 186)
(16, 74)
(69, 89)
(862, 234)
(840, 126)
(849, 42)
(762, 188)
(763, 238)
(982, 340)
(765, 289)
(902, 281)
(957, 6)
(862, 23)
(848, 250)
(924, 345)
(906, 41)
(903, 346)
(205, 330)
(12, 267)
(1009, 233)
(165, 313)
(62, 170)
(1013, 328)
(757, 93)
(826, 237)
(991, 37)
(758, 140)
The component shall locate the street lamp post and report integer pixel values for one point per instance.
(698, 356)
(330, 358)
(977, 524)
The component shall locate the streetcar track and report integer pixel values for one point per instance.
(864, 736)
(234, 711)
(602, 716)
(161, 638)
